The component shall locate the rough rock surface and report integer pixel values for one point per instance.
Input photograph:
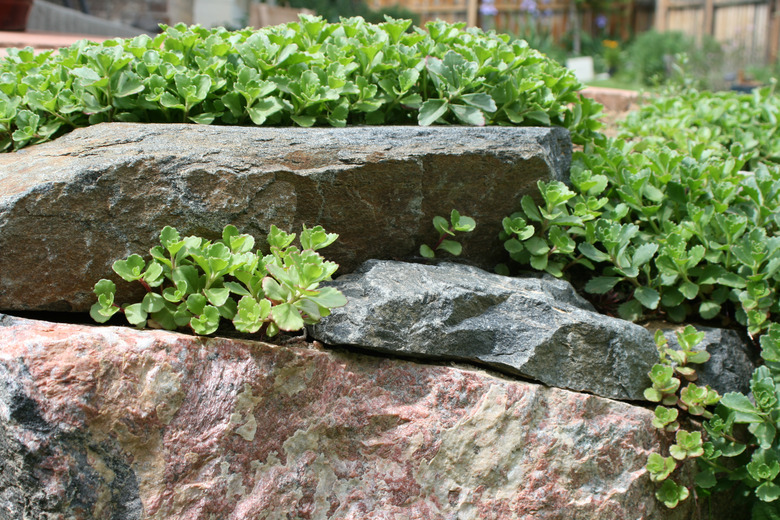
(77, 204)
(114, 423)
(732, 359)
(533, 327)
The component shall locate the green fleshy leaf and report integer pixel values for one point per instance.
(101, 314)
(236, 288)
(709, 310)
(130, 269)
(442, 226)
(591, 252)
(171, 242)
(287, 317)
(329, 297)
(671, 493)
(644, 254)
(513, 245)
(431, 110)
(537, 246)
(660, 467)
(136, 315)
(601, 284)
(689, 290)
(745, 411)
(274, 291)
(452, 247)
(105, 287)
(426, 251)
(196, 303)
(153, 276)
(630, 310)
(217, 297)
(768, 492)
(647, 296)
(706, 479)
(164, 318)
(251, 314)
(539, 262)
(152, 302)
(207, 322)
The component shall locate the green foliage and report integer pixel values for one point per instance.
(692, 399)
(333, 10)
(199, 282)
(681, 223)
(716, 119)
(650, 57)
(446, 229)
(671, 493)
(304, 73)
(666, 234)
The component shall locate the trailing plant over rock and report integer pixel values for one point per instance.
(672, 225)
(304, 73)
(736, 447)
(666, 235)
(457, 222)
(198, 283)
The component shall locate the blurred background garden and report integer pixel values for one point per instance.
(631, 44)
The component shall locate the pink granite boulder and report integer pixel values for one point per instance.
(115, 423)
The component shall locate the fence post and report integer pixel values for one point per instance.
(661, 15)
(472, 13)
(709, 18)
(774, 31)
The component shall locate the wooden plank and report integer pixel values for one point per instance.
(661, 15)
(731, 3)
(685, 4)
(472, 13)
(709, 17)
(774, 32)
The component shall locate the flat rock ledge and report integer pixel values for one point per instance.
(109, 422)
(538, 328)
(71, 207)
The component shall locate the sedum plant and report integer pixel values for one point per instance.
(303, 73)
(457, 222)
(681, 116)
(738, 443)
(682, 223)
(665, 234)
(193, 282)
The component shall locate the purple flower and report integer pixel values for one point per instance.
(601, 21)
(486, 8)
(529, 5)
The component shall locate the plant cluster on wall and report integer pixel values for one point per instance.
(302, 74)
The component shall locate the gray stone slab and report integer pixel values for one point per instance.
(533, 327)
(71, 207)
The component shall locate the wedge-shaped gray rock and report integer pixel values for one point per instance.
(533, 327)
(71, 207)
(732, 359)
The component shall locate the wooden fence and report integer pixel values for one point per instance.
(750, 28)
(553, 17)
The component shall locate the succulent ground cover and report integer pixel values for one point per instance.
(678, 219)
(192, 282)
(304, 73)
